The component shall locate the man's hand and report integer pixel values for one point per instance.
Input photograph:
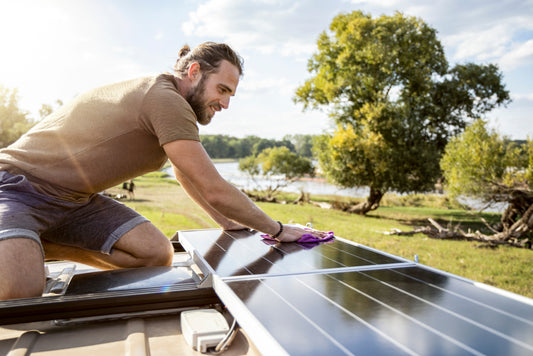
(293, 233)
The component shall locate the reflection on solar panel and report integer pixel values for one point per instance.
(347, 299)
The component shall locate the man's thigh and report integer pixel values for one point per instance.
(96, 226)
(21, 268)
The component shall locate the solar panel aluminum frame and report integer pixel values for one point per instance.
(197, 258)
(480, 285)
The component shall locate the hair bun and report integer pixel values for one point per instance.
(184, 51)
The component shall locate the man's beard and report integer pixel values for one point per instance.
(195, 98)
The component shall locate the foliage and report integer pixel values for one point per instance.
(303, 144)
(480, 163)
(47, 109)
(223, 146)
(13, 121)
(387, 84)
(276, 166)
(477, 161)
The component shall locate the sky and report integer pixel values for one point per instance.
(56, 49)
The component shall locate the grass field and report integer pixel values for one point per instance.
(167, 206)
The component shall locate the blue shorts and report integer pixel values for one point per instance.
(95, 224)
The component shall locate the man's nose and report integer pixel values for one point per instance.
(224, 103)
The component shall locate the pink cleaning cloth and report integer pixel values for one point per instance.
(307, 238)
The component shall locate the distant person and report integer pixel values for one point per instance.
(50, 177)
(130, 188)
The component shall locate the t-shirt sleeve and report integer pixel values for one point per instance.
(167, 115)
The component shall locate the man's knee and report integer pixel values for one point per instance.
(21, 269)
(27, 290)
(160, 253)
(148, 244)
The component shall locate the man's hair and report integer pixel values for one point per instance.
(208, 55)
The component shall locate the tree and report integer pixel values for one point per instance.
(387, 85)
(262, 144)
(277, 167)
(484, 165)
(47, 109)
(475, 162)
(13, 121)
(303, 144)
(223, 146)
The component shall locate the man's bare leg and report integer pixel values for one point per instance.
(21, 269)
(144, 245)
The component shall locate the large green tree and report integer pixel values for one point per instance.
(13, 120)
(387, 84)
(483, 165)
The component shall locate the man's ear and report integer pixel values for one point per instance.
(194, 72)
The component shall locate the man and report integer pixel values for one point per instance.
(50, 177)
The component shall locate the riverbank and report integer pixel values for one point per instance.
(167, 206)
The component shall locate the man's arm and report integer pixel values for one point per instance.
(221, 199)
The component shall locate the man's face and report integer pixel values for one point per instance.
(212, 92)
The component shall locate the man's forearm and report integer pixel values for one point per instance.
(235, 205)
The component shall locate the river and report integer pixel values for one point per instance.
(230, 171)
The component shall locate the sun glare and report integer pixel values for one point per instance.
(55, 49)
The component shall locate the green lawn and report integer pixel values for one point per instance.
(164, 202)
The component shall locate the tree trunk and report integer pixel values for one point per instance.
(520, 201)
(518, 231)
(371, 203)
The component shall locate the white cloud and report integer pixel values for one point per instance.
(527, 97)
(483, 44)
(520, 54)
(269, 27)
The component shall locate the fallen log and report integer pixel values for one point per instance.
(437, 231)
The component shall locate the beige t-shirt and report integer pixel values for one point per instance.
(103, 138)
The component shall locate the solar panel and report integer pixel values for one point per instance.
(130, 279)
(342, 298)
